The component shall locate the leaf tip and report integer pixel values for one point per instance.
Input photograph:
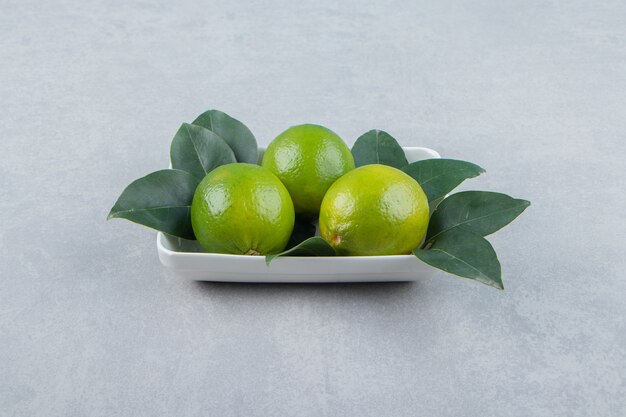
(498, 286)
(524, 204)
(111, 215)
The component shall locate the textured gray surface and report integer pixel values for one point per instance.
(90, 96)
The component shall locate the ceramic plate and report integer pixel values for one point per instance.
(186, 260)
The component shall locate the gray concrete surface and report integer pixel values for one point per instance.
(91, 94)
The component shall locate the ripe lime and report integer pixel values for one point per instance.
(242, 209)
(374, 210)
(308, 159)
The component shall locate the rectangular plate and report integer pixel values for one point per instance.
(186, 259)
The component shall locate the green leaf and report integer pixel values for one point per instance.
(198, 151)
(314, 246)
(161, 200)
(482, 212)
(440, 176)
(466, 254)
(303, 229)
(235, 134)
(378, 147)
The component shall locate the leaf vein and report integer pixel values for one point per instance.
(193, 143)
(462, 261)
(444, 174)
(148, 209)
(472, 219)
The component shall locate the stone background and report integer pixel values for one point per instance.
(91, 94)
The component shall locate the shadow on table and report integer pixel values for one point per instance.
(381, 291)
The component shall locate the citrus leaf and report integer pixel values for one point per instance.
(235, 134)
(303, 229)
(378, 147)
(314, 246)
(466, 254)
(161, 200)
(440, 176)
(482, 212)
(199, 151)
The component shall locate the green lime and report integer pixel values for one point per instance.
(308, 159)
(374, 210)
(242, 209)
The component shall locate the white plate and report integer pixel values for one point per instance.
(186, 260)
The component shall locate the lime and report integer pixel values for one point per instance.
(242, 209)
(374, 210)
(308, 159)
